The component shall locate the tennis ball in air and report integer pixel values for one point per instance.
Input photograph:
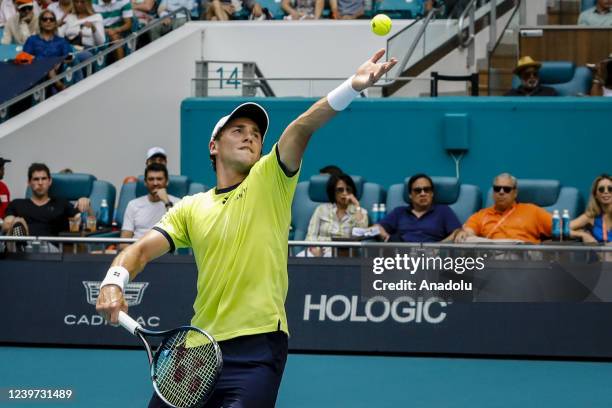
(381, 24)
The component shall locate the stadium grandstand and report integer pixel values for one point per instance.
(444, 240)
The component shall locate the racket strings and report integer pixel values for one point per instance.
(186, 369)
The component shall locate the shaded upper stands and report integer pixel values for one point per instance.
(548, 194)
(76, 185)
(587, 4)
(463, 199)
(564, 76)
(178, 186)
(310, 194)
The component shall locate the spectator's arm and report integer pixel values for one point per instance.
(286, 6)
(127, 26)
(99, 35)
(545, 222)
(146, 5)
(161, 10)
(125, 234)
(7, 38)
(313, 225)
(384, 234)
(581, 222)
(333, 6)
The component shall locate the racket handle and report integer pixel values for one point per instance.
(128, 323)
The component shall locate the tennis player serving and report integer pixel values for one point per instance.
(238, 232)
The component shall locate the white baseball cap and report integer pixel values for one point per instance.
(154, 151)
(250, 110)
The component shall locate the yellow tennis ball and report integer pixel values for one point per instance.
(381, 24)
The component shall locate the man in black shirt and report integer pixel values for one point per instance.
(528, 70)
(42, 215)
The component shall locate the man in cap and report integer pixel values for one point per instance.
(157, 155)
(238, 232)
(5, 195)
(22, 25)
(528, 71)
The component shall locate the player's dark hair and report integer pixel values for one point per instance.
(34, 167)
(331, 170)
(156, 167)
(333, 181)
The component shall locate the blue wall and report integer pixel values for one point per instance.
(385, 140)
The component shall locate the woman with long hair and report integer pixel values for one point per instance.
(595, 225)
(84, 27)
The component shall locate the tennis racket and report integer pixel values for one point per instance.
(186, 365)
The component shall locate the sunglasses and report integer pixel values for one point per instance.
(47, 19)
(340, 190)
(419, 190)
(505, 189)
(602, 189)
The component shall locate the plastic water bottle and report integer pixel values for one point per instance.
(382, 211)
(556, 226)
(375, 213)
(565, 218)
(104, 213)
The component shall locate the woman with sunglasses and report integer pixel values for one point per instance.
(338, 217)
(595, 225)
(48, 44)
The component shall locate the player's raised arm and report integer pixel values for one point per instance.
(294, 139)
(129, 263)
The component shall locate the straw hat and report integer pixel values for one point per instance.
(526, 62)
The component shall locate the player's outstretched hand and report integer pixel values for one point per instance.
(371, 71)
(110, 302)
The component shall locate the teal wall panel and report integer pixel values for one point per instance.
(386, 140)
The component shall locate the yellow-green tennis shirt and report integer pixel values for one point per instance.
(239, 239)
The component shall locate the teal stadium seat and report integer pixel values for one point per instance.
(178, 186)
(76, 185)
(400, 8)
(587, 4)
(564, 77)
(274, 7)
(463, 199)
(548, 194)
(310, 194)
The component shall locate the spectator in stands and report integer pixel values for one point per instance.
(22, 25)
(346, 9)
(144, 212)
(157, 155)
(61, 9)
(598, 16)
(303, 9)
(338, 217)
(221, 10)
(144, 10)
(602, 84)
(168, 24)
(528, 70)
(507, 219)
(84, 27)
(8, 9)
(49, 44)
(42, 215)
(595, 225)
(422, 220)
(117, 16)
(331, 170)
(5, 194)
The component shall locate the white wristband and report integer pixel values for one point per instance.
(342, 96)
(116, 275)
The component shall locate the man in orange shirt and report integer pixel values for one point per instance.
(507, 219)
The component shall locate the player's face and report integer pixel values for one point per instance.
(155, 180)
(40, 183)
(604, 192)
(506, 196)
(421, 194)
(239, 145)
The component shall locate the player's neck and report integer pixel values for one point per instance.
(227, 177)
